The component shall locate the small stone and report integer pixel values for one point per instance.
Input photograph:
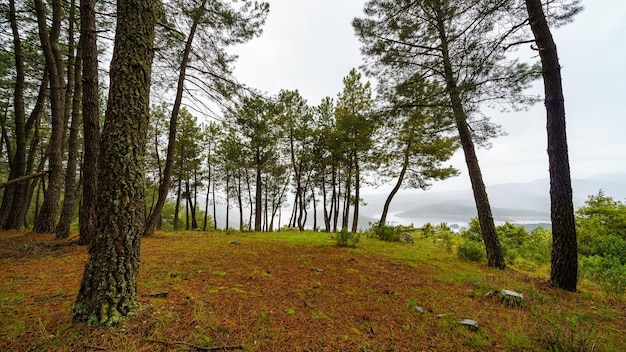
(159, 294)
(318, 270)
(418, 308)
(441, 316)
(472, 324)
(235, 242)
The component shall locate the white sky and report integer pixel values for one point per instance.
(310, 46)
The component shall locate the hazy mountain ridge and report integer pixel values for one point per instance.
(527, 202)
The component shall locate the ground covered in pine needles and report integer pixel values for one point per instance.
(292, 291)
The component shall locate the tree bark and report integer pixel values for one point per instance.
(46, 219)
(258, 194)
(62, 229)
(357, 194)
(13, 200)
(405, 165)
(495, 256)
(171, 145)
(91, 122)
(564, 269)
(108, 289)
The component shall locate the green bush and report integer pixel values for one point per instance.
(347, 239)
(386, 233)
(607, 272)
(472, 251)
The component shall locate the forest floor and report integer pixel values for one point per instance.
(292, 291)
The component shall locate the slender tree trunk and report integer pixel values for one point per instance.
(177, 207)
(495, 256)
(564, 269)
(171, 145)
(71, 190)
(46, 220)
(12, 209)
(227, 203)
(258, 195)
(214, 209)
(91, 122)
(325, 205)
(187, 197)
(240, 203)
(357, 194)
(347, 200)
(396, 188)
(314, 209)
(108, 289)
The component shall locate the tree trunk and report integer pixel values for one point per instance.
(495, 256)
(13, 199)
(564, 269)
(71, 190)
(240, 203)
(108, 289)
(214, 208)
(171, 145)
(258, 195)
(177, 207)
(347, 200)
(405, 165)
(62, 229)
(91, 122)
(357, 194)
(46, 219)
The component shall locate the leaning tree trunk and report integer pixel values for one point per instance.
(405, 165)
(564, 270)
(91, 122)
(495, 256)
(108, 289)
(46, 219)
(164, 186)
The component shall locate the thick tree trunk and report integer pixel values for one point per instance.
(171, 145)
(564, 270)
(46, 219)
(108, 289)
(495, 256)
(91, 122)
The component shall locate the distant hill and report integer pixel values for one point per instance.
(515, 202)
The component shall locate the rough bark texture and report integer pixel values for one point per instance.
(564, 271)
(91, 122)
(46, 219)
(495, 256)
(108, 290)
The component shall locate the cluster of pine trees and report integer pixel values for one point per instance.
(66, 144)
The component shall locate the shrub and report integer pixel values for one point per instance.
(473, 232)
(347, 239)
(472, 251)
(386, 232)
(607, 272)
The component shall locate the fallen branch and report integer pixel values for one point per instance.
(23, 178)
(197, 348)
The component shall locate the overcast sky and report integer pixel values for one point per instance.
(310, 46)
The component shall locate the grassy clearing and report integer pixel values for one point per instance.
(298, 291)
